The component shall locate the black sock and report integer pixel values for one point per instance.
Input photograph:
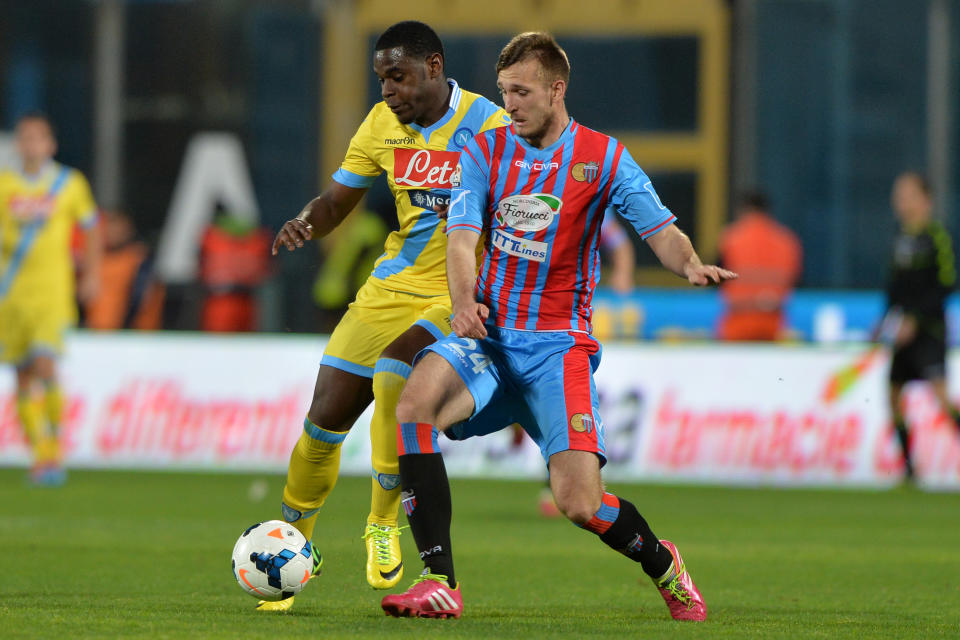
(623, 529)
(903, 436)
(426, 501)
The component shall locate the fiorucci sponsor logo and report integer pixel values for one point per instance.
(528, 212)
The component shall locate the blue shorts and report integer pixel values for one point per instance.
(542, 380)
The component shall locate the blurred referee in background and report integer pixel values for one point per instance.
(921, 278)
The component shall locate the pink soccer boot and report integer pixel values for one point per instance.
(681, 595)
(428, 597)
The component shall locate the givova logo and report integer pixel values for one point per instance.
(528, 212)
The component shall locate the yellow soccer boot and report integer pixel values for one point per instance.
(384, 565)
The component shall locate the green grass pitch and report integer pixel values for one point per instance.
(148, 555)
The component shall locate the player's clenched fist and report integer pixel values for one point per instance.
(468, 322)
(293, 234)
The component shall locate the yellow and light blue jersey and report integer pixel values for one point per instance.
(419, 162)
(37, 216)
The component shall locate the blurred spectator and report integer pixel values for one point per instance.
(234, 258)
(616, 244)
(767, 255)
(129, 297)
(349, 255)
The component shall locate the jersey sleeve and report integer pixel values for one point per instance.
(634, 198)
(358, 169)
(83, 208)
(468, 201)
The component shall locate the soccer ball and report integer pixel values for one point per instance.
(272, 560)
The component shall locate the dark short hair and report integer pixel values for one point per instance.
(37, 115)
(540, 45)
(755, 199)
(416, 39)
(921, 181)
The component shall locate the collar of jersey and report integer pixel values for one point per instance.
(455, 95)
(46, 170)
(566, 135)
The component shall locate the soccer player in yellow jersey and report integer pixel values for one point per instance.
(414, 135)
(40, 203)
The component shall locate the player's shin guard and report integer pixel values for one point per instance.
(623, 529)
(389, 378)
(53, 403)
(311, 476)
(426, 496)
(31, 419)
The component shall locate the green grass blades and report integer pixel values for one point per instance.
(148, 555)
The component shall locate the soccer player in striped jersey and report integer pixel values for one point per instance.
(414, 136)
(40, 203)
(538, 188)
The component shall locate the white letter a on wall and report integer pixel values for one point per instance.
(214, 169)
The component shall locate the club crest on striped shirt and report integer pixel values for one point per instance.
(585, 171)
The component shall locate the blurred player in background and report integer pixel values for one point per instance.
(921, 277)
(538, 188)
(615, 242)
(768, 257)
(40, 203)
(414, 135)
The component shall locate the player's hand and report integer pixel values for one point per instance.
(468, 322)
(442, 210)
(703, 274)
(292, 235)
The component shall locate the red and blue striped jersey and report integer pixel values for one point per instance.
(542, 210)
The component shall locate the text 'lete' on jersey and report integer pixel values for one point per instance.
(543, 209)
(419, 162)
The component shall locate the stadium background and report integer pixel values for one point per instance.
(182, 110)
(785, 499)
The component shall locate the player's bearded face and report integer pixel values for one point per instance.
(527, 97)
(403, 83)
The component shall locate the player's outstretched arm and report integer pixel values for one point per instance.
(675, 252)
(468, 314)
(319, 217)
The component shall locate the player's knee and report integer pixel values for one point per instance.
(578, 507)
(44, 369)
(329, 417)
(410, 407)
